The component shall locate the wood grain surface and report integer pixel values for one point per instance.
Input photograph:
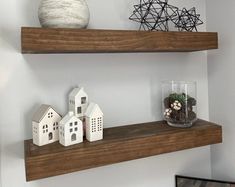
(119, 144)
(51, 40)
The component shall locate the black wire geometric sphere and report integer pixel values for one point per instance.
(188, 20)
(156, 15)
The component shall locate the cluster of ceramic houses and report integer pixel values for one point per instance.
(83, 118)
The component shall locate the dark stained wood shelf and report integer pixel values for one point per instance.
(119, 144)
(45, 40)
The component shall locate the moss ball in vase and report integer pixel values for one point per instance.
(63, 13)
(179, 103)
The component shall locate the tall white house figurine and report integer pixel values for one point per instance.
(78, 102)
(94, 122)
(45, 124)
(70, 130)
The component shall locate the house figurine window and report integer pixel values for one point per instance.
(55, 126)
(93, 125)
(45, 128)
(83, 100)
(35, 130)
(79, 110)
(50, 115)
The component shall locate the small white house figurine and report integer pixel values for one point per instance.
(78, 102)
(94, 122)
(70, 130)
(45, 125)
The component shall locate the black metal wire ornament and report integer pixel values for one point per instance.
(188, 20)
(156, 15)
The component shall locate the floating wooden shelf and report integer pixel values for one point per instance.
(119, 144)
(42, 40)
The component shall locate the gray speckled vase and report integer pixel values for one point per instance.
(63, 13)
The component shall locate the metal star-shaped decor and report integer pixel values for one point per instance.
(188, 20)
(154, 14)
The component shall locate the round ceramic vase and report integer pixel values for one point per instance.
(63, 13)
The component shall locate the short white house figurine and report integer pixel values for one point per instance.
(45, 125)
(70, 130)
(78, 102)
(94, 122)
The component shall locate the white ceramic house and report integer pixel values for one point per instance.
(45, 125)
(78, 102)
(70, 130)
(94, 122)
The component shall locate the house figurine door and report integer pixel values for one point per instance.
(50, 136)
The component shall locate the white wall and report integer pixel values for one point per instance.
(126, 86)
(221, 78)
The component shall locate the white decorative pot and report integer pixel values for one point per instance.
(63, 13)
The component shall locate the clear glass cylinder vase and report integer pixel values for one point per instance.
(179, 103)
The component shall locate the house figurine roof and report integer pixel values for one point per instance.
(76, 91)
(92, 108)
(41, 112)
(67, 117)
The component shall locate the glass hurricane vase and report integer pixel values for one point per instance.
(179, 103)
